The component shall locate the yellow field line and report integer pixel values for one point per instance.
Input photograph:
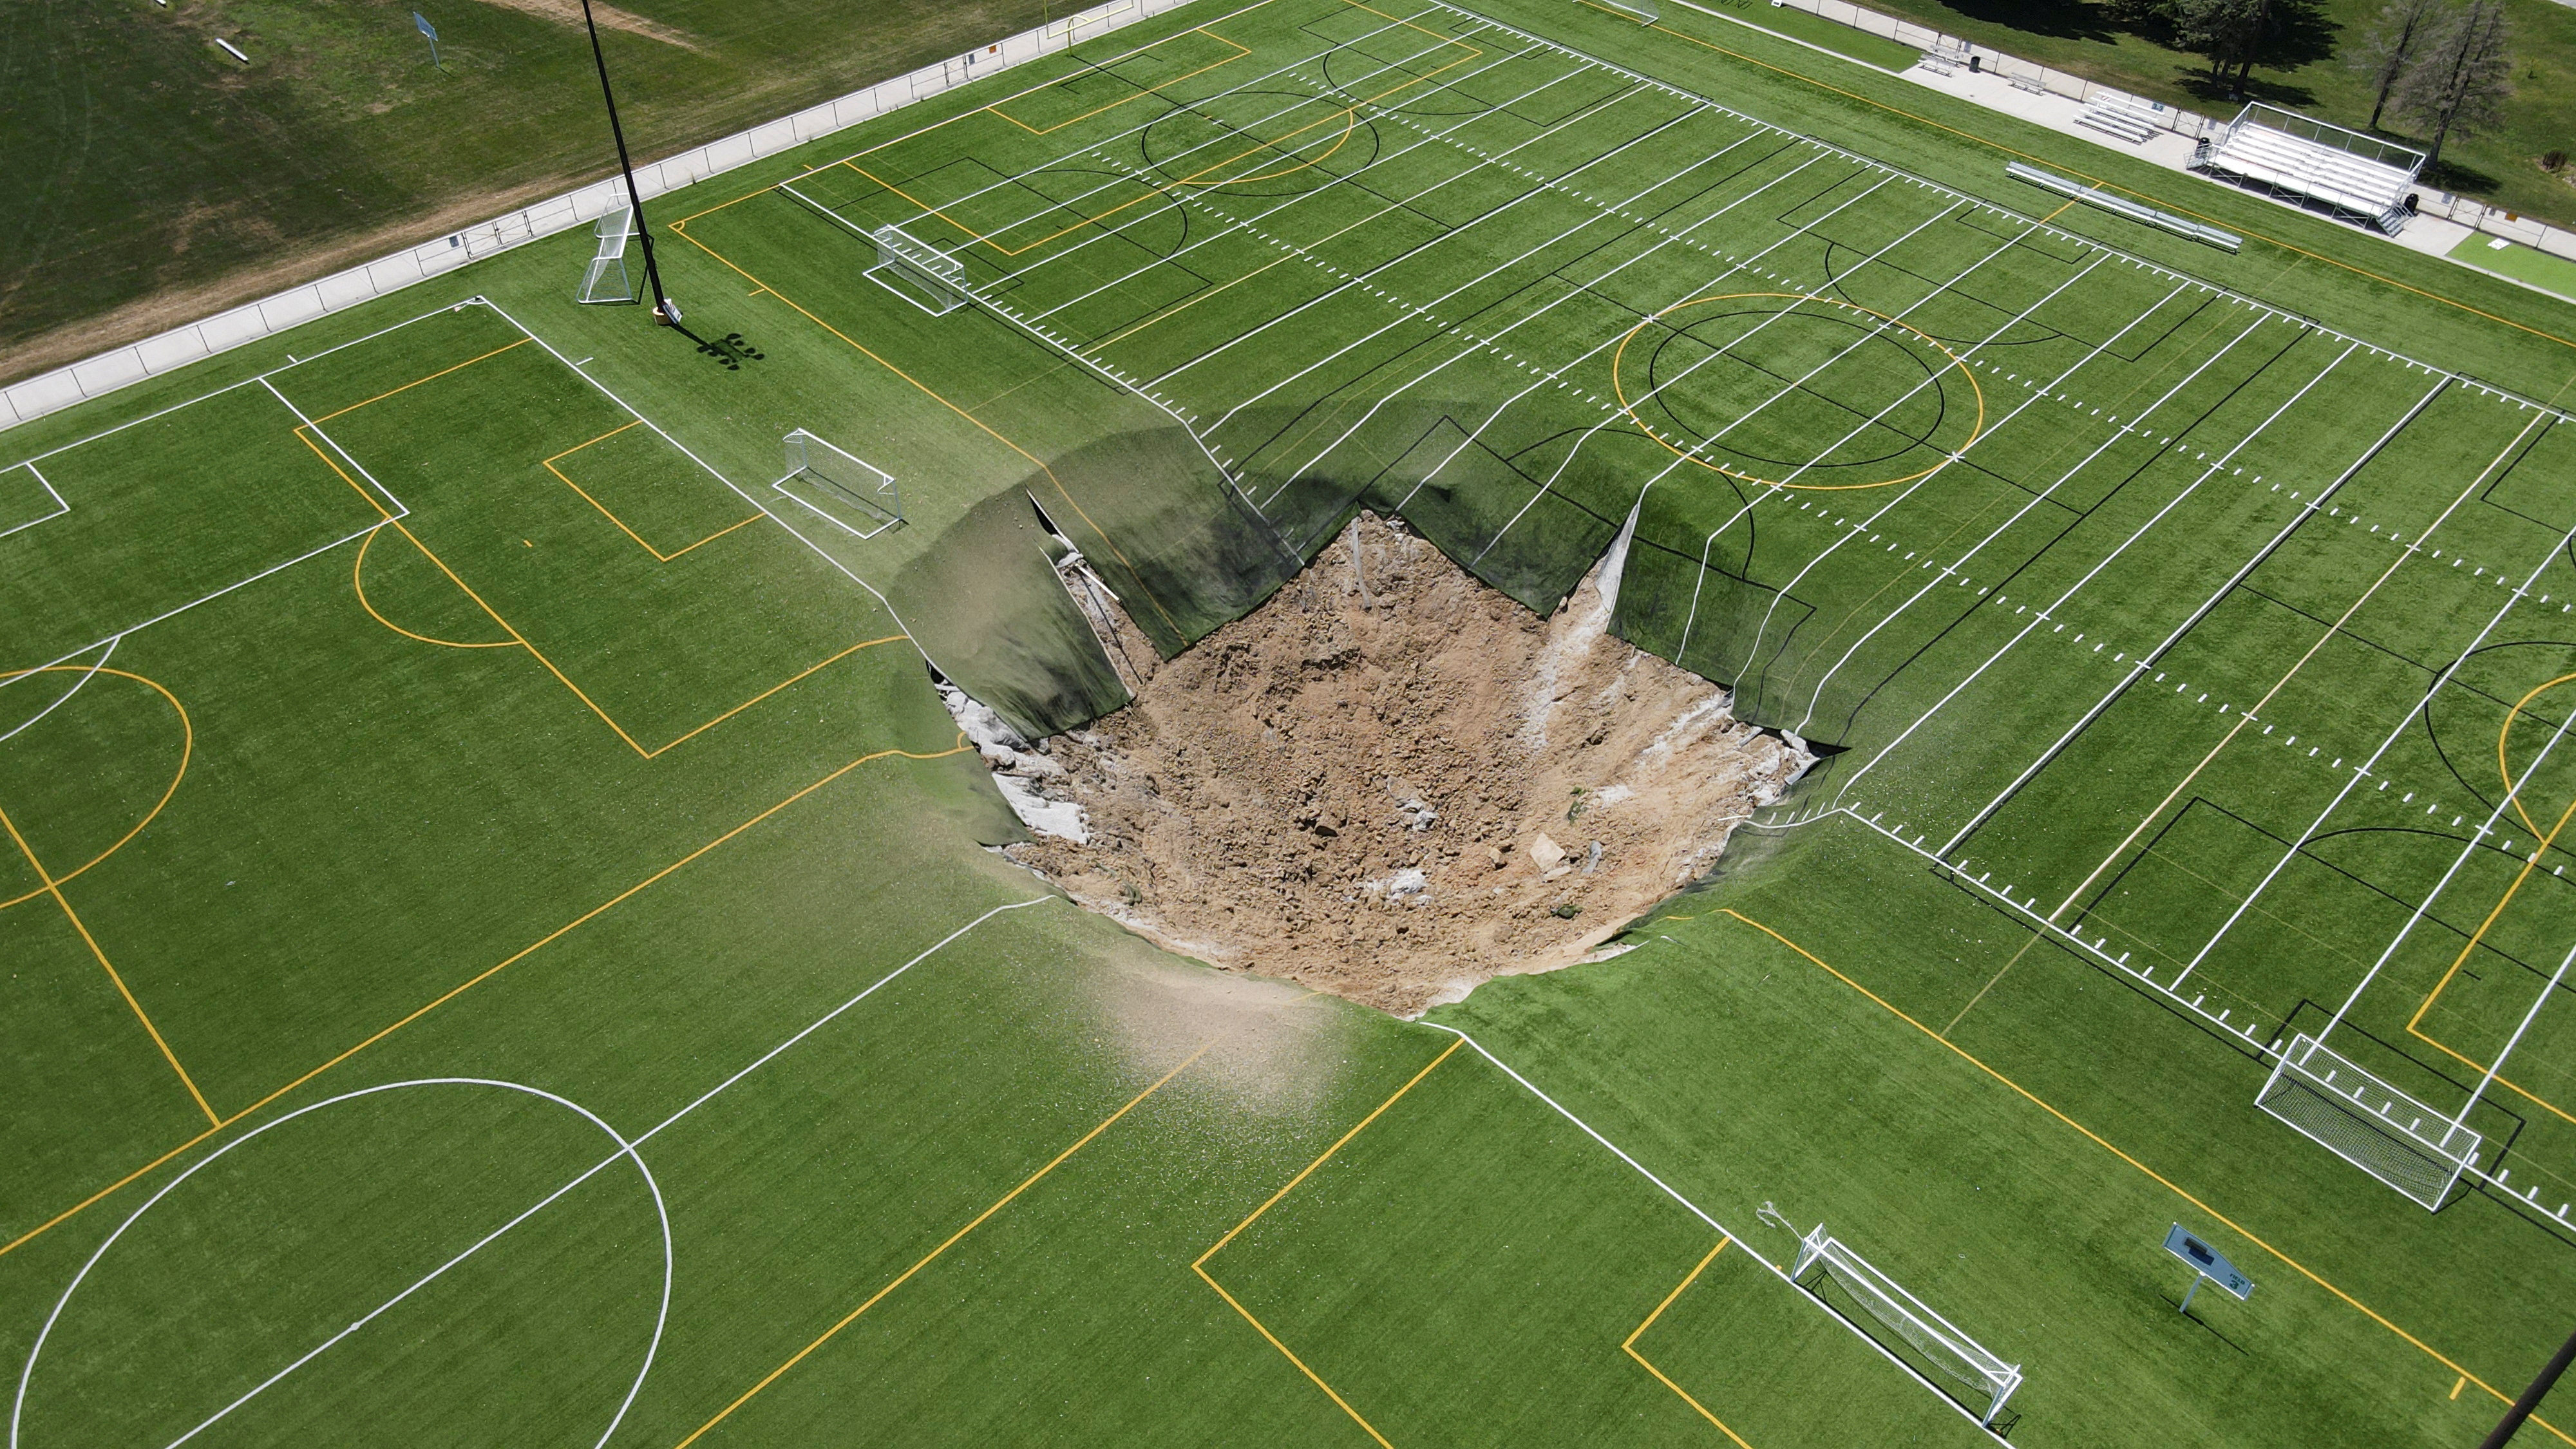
(961, 747)
(906, 1275)
(1240, 51)
(605, 512)
(2160, 1179)
(55, 889)
(417, 381)
(1628, 1345)
(2245, 717)
(1199, 1265)
(933, 393)
(358, 585)
(187, 752)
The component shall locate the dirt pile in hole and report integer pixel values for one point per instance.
(1392, 782)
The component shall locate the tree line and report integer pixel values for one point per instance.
(2442, 68)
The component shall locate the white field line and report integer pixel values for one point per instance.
(1556, 374)
(626, 1151)
(2148, 660)
(2142, 264)
(1611, 416)
(2407, 717)
(2136, 424)
(2468, 849)
(1958, 565)
(2528, 1017)
(1775, 490)
(1412, 311)
(1477, 342)
(1696, 1211)
(60, 507)
(1363, 279)
(1092, 147)
(86, 675)
(739, 491)
(400, 508)
(2042, 615)
(2032, 397)
(1781, 488)
(1339, 178)
(629, 1149)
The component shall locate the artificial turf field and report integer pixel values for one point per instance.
(500, 943)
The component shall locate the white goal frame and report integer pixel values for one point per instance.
(605, 279)
(2326, 1097)
(828, 481)
(918, 272)
(1644, 12)
(1887, 1301)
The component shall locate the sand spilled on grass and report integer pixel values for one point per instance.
(1392, 782)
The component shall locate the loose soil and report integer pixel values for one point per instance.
(1392, 782)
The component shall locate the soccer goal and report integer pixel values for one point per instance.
(852, 495)
(1935, 1339)
(918, 272)
(1644, 12)
(2368, 1123)
(605, 279)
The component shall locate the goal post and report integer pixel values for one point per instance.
(1644, 12)
(850, 493)
(605, 279)
(918, 272)
(2349, 1111)
(1935, 1340)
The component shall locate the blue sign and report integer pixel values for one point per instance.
(425, 27)
(2208, 1262)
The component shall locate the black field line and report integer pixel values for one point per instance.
(1774, 490)
(1365, 280)
(1612, 414)
(2407, 717)
(2142, 263)
(1544, 376)
(1227, 132)
(631, 1149)
(2467, 850)
(2152, 657)
(1556, 374)
(1959, 564)
(2030, 399)
(1302, 196)
(1142, 126)
(2047, 611)
(1092, 149)
(2146, 661)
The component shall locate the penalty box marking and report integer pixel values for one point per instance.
(310, 429)
(59, 509)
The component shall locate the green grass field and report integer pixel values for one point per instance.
(501, 943)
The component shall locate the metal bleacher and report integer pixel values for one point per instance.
(2119, 117)
(2309, 161)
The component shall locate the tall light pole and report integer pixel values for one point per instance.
(665, 311)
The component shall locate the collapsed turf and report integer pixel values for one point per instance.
(1392, 782)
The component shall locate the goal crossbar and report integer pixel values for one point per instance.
(2343, 1107)
(918, 272)
(1939, 1340)
(850, 493)
(605, 279)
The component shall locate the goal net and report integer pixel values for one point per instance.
(605, 279)
(855, 496)
(1644, 12)
(2368, 1123)
(918, 272)
(1935, 1340)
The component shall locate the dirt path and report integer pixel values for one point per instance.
(1392, 782)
